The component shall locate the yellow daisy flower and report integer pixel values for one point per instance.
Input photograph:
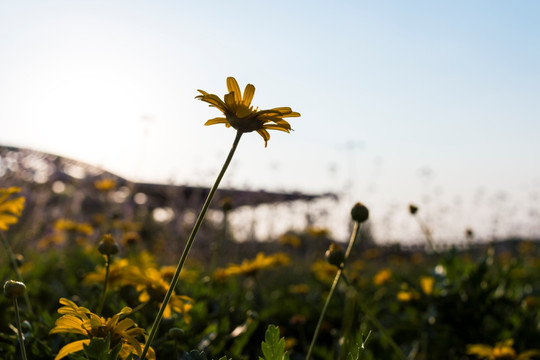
(427, 283)
(503, 350)
(240, 114)
(105, 184)
(382, 277)
(152, 286)
(251, 267)
(80, 320)
(10, 208)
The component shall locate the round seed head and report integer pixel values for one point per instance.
(108, 246)
(359, 212)
(14, 289)
(335, 255)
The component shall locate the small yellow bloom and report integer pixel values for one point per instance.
(501, 351)
(240, 114)
(299, 289)
(406, 295)
(152, 287)
(251, 267)
(427, 283)
(290, 239)
(105, 184)
(80, 320)
(10, 208)
(324, 271)
(73, 226)
(118, 274)
(318, 232)
(382, 277)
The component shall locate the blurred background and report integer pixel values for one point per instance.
(434, 104)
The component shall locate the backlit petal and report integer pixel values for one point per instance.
(248, 94)
(265, 135)
(218, 120)
(71, 348)
(232, 86)
(275, 127)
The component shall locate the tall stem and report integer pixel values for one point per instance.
(19, 329)
(354, 235)
(187, 248)
(15, 267)
(106, 284)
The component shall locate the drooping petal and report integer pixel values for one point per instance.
(275, 127)
(265, 135)
(71, 348)
(232, 86)
(135, 344)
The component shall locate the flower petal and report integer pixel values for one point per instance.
(71, 348)
(248, 94)
(232, 86)
(265, 135)
(276, 127)
(218, 120)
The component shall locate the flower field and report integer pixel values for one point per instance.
(93, 269)
(390, 303)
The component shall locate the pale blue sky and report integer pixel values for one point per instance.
(386, 89)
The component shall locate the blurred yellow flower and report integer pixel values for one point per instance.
(251, 267)
(118, 274)
(105, 184)
(80, 320)
(503, 350)
(299, 289)
(73, 226)
(10, 207)
(290, 239)
(240, 114)
(406, 295)
(318, 232)
(427, 283)
(324, 271)
(152, 286)
(382, 277)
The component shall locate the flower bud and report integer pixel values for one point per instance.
(108, 246)
(176, 333)
(413, 209)
(335, 255)
(226, 204)
(359, 212)
(14, 289)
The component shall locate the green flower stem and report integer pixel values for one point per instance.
(19, 329)
(383, 331)
(427, 233)
(354, 236)
(105, 285)
(187, 248)
(16, 270)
